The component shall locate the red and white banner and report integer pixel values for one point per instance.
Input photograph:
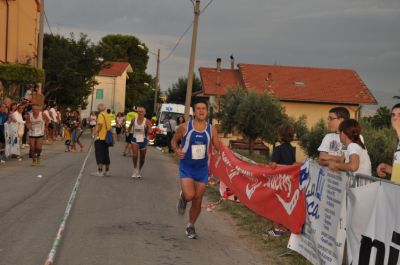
(273, 194)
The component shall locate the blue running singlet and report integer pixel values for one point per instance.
(195, 145)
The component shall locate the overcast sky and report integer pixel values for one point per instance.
(362, 35)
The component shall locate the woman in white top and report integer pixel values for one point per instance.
(92, 123)
(358, 160)
(36, 122)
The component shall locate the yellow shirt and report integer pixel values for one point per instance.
(396, 165)
(105, 121)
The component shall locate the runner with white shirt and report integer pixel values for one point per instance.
(196, 136)
(36, 123)
(141, 128)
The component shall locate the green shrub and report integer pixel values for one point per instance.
(380, 143)
(311, 140)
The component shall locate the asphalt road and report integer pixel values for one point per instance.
(114, 220)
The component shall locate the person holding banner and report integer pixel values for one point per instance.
(384, 169)
(358, 160)
(331, 149)
(197, 136)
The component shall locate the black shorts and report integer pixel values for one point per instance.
(101, 152)
(2, 137)
(118, 129)
(128, 138)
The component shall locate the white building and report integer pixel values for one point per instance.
(111, 88)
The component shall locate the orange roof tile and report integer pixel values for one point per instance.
(307, 83)
(115, 69)
(228, 78)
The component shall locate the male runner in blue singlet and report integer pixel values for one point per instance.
(196, 136)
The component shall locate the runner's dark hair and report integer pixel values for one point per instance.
(200, 100)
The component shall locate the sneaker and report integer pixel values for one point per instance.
(97, 174)
(191, 232)
(107, 174)
(181, 205)
(19, 158)
(275, 232)
(139, 175)
(2, 161)
(135, 174)
(38, 160)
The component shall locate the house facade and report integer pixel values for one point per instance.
(19, 29)
(111, 88)
(301, 91)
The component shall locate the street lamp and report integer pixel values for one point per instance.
(157, 74)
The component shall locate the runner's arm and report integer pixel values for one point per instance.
(28, 121)
(215, 139)
(175, 139)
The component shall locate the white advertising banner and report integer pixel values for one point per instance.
(373, 232)
(323, 237)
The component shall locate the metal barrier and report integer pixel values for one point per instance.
(358, 180)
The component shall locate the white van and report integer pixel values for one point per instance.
(173, 110)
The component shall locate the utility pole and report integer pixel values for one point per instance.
(40, 41)
(157, 88)
(192, 60)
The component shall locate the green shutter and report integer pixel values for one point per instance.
(99, 93)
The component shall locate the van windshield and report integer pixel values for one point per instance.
(173, 115)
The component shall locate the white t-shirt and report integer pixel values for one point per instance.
(365, 161)
(53, 114)
(331, 144)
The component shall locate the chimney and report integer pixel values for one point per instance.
(218, 81)
(232, 62)
(219, 64)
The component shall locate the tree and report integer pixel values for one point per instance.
(70, 65)
(381, 119)
(311, 140)
(19, 74)
(251, 114)
(177, 92)
(229, 106)
(124, 48)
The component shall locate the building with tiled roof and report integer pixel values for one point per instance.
(306, 91)
(111, 88)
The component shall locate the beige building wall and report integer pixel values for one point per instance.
(114, 90)
(23, 29)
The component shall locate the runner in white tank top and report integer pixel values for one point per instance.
(36, 123)
(141, 127)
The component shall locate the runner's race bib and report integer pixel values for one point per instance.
(139, 138)
(198, 151)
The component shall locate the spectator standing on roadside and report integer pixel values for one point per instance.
(384, 169)
(358, 160)
(284, 154)
(92, 123)
(170, 125)
(331, 149)
(3, 120)
(100, 146)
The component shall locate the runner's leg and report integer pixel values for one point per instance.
(195, 208)
(142, 158)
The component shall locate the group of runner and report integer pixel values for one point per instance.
(191, 143)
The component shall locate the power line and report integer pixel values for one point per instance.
(186, 31)
(177, 43)
(207, 5)
(47, 22)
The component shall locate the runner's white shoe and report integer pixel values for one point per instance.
(135, 174)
